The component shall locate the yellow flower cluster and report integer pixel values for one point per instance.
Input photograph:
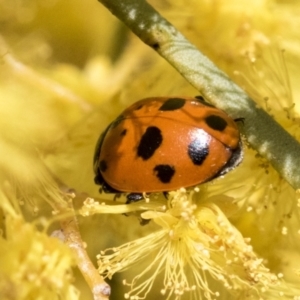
(33, 264)
(67, 69)
(195, 246)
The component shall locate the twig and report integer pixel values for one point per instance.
(100, 289)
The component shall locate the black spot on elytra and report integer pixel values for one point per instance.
(103, 165)
(150, 141)
(216, 122)
(201, 100)
(164, 173)
(124, 131)
(198, 151)
(172, 104)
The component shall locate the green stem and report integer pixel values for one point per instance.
(262, 132)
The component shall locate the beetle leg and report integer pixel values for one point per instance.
(166, 194)
(134, 197)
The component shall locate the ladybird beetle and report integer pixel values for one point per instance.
(162, 144)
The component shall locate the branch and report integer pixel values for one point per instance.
(71, 237)
(100, 289)
(262, 132)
